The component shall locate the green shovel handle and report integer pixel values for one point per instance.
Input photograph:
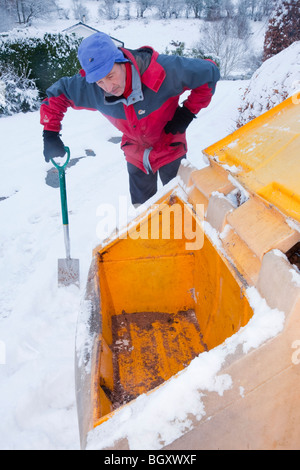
(66, 162)
(62, 185)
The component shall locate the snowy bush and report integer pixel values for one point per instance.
(109, 10)
(283, 28)
(221, 39)
(48, 58)
(178, 48)
(80, 10)
(277, 79)
(17, 92)
(24, 11)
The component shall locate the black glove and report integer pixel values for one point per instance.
(181, 119)
(53, 145)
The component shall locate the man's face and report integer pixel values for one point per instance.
(115, 80)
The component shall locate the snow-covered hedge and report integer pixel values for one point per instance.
(277, 79)
(46, 58)
(18, 93)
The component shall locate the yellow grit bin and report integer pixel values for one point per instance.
(172, 286)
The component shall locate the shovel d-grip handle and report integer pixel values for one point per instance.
(62, 185)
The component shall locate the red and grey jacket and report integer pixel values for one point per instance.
(158, 81)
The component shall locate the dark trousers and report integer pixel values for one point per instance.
(143, 186)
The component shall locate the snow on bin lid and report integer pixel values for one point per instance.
(264, 156)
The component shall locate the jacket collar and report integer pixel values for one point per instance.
(154, 74)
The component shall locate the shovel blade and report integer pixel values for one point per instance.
(68, 272)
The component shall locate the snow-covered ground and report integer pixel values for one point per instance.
(38, 319)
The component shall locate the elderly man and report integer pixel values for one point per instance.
(138, 91)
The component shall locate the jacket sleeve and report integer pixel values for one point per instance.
(198, 75)
(66, 92)
(52, 112)
(201, 96)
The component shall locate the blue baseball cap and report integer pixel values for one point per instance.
(97, 55)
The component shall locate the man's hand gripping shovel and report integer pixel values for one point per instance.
(68, 268)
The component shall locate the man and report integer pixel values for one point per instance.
(138, 91)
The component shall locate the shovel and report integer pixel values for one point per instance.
(68, 268)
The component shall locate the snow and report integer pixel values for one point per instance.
(295, 276)
(38, 319)
(277, 79)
